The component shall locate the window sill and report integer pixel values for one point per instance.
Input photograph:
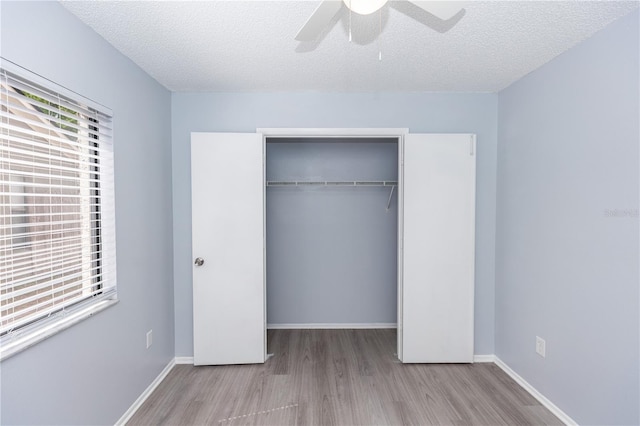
(22, 340)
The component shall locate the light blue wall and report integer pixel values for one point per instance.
(91, 373)
(566, 270)
(420, 112)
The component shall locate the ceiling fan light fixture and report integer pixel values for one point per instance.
(364, 7)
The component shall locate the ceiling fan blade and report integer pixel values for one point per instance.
(318, 20)
(440, 16)
(444, 10)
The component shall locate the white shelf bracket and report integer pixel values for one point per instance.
(390, 196)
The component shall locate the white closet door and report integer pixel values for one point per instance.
(227, 190)
(439, 248)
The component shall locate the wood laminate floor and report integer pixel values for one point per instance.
(340, 377)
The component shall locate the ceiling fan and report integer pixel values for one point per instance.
(438, 15)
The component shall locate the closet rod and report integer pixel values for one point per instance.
(331, 183)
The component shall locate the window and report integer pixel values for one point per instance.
(57, 233)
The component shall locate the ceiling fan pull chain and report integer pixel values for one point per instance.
(379, 35)
(350, 21)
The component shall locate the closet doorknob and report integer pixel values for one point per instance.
(199, 261)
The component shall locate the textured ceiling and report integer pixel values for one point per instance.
(249, 45)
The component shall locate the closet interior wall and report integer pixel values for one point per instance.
(331, 250)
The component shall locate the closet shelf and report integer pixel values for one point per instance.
(331, 183)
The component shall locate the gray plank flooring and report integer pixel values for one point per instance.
(340, 377)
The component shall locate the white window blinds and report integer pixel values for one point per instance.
(57, 227)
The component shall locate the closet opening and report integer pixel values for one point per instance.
(309, 231)
(331, 234)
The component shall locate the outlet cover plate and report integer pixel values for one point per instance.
(541, 348)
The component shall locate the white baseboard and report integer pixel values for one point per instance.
(184, 360)
(564, 418)
(143, 397)
(484, 358)
(314, 326)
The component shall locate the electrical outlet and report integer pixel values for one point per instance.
(149, 338)
(541, 346)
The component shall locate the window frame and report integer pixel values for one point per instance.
(102, 212)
